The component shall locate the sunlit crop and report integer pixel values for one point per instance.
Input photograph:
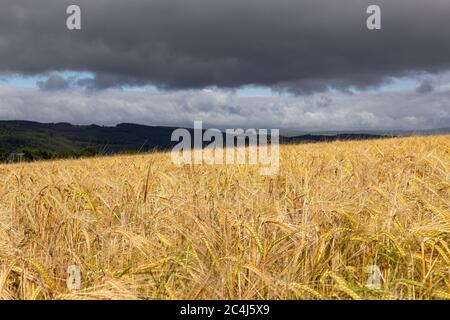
(140, 227)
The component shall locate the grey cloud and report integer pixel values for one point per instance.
(53, 83)
(224, 109)
(324, 102)
(303, 46)
(425, 87)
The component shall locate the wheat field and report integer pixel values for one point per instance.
(140, 227)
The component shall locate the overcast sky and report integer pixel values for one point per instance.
(303, 64)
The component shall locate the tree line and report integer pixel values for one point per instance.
(30, 154)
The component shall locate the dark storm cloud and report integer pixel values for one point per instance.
(302, 46)
(425, 87)
(54, 83)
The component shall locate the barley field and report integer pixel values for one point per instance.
(140, 227)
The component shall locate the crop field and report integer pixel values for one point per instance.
(341, 220)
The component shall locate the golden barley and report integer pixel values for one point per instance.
(140, 227)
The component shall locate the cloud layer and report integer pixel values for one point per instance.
(224, 109)
(300, 45)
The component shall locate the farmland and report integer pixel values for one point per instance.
(139, 227)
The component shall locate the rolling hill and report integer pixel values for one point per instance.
(16, 136)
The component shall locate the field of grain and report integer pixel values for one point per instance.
(140, 227)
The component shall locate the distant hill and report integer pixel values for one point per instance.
(56, 137)
(327, 138)
(16, 136)
(386, 133)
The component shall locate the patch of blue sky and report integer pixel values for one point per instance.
(140, 88)
(255, 91)
(23, 81)
(30, 81)
(400, 84)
